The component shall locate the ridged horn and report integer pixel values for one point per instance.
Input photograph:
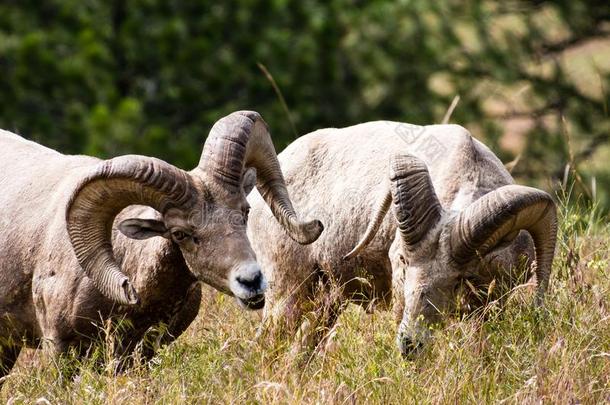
(242, 140)
(499, 216)
(416, 205)
(113, 185)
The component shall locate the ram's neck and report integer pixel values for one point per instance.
(155, 266)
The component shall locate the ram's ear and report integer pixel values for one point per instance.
(138, 228)
(249, 180)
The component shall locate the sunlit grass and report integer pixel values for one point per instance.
(514, 354)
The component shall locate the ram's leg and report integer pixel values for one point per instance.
(183, 315)
(318, 329)
(286, 301)
(302, 311)
(8, 356)
(66, 361)
(283, 315)
(130, 346)
(324, 303)
(143, 342)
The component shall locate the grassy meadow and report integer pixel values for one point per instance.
(508, 354)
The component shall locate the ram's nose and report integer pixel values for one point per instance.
(248, 284)
(411, 340)
(408, 346)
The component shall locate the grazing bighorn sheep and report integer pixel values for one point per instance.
(458, 216)
(65, 270)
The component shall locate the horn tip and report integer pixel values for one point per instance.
(310, 232)
(350, 255)
(129, 294)
(315, 229)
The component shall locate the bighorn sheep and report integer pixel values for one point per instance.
(65, 269)
(458, 216)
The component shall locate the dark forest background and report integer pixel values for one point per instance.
(152, 76)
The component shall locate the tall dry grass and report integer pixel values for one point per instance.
(512, 354)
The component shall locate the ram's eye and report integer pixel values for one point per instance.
(179, 236)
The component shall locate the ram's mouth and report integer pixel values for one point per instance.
(253, 303)
(410, 349)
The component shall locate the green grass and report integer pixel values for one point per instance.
(517, 354)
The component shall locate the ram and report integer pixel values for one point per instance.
(458, 218)
(65, 270)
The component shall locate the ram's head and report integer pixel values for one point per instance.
(204, 211)
(436, 250)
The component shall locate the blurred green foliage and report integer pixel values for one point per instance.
(151, 77)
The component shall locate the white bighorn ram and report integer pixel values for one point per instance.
(457, 216)
(65, 269)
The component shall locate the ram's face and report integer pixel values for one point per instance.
(212, 239)
(432, 285)
(428, 290)
(214, 244)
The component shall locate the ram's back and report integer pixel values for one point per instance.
(340, 176)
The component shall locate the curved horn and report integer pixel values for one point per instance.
(416, 205)
(113, 185)
(373, 227)
(499, 216)
(242, 140)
